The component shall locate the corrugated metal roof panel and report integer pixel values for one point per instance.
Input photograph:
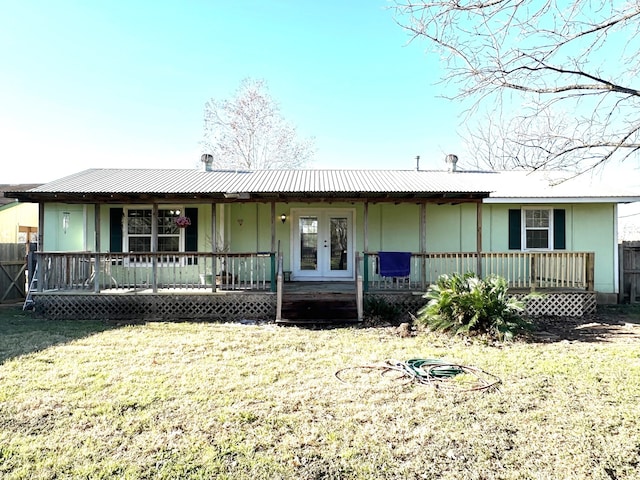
(329, 182)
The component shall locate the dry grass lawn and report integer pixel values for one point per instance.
(232, 401)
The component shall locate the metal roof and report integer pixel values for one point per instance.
(130, 184)
(263, 181)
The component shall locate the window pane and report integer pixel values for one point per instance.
(167, 222)
(537, 218)
(139, 244)
(537, 239)
(139, 222)
(168, 244)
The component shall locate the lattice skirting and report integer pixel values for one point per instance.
(221, 307)
(408, 303)
(565, 304)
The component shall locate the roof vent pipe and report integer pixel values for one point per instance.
(207, 162)
(451, 160)
(417, 162)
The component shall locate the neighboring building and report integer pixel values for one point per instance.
(18, 221)
(251, 227)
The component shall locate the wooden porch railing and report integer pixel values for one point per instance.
(152, 271)
(527, 270)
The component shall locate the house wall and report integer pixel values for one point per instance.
(79, 235)
(451, 228)
(391, 227)
(590, 227)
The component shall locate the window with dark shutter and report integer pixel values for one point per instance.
(537, 229)
(115, 229)
(515, 232)
(559, 230)
(191, 231)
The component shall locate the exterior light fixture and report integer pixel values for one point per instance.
(65, 221)
(283, 218)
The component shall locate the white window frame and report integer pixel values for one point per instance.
(126, 236)
(524, 229)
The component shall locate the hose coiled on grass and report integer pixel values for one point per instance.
(427, 371)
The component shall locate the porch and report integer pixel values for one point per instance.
(235, 286)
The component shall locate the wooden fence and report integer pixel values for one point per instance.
(629, 272)
(12, 272)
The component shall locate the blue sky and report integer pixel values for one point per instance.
(124, 83)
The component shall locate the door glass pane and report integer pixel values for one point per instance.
(308, 243)
(338, 243)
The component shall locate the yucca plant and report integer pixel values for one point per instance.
(467, 304)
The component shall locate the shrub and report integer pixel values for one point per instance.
(467, 304)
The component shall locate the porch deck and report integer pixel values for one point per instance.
(177, 286)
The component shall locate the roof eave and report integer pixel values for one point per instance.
(541, 200)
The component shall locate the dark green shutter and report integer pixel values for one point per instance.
(559, 230)
(115, 229)
(515, 232)
(191, 232)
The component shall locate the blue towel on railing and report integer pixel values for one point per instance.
(395, 264)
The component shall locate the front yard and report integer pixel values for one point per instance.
(207, 400)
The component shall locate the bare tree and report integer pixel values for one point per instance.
(247, 131)
(565, 66)
(521, 142)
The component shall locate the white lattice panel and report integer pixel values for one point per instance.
(227, 307)
(564, 304)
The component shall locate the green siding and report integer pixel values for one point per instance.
(74, 239)
(592, 229)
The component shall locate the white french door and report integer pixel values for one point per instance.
(322, 244)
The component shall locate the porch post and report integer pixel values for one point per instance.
(365, 255)
(154, 248)
(591, 268)
(214, 246)
(273, 226)
(423, 245)
(276, 277)
(40, 268)
(96, 248)
(479, 237)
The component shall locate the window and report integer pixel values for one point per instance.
(537, 229)
(138, 223)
